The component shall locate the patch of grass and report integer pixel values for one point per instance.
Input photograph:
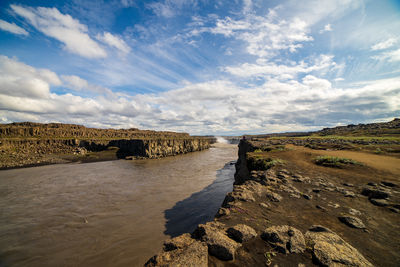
(335, 162)
(378, 151)
(341, 137)
(270, 148)
(259, 161)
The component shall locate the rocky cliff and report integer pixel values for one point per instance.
(26, 144)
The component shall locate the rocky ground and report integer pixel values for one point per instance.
(289, 211)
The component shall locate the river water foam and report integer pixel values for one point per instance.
(114, 213)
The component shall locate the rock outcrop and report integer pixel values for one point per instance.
(241, 233)
(218, 242)
(181, 251)
(329, 249)
(285, 239)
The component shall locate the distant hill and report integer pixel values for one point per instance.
(391, 128)
(371, 129)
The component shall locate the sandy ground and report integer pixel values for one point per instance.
(378, 162)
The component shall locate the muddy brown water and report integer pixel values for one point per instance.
(114, 213)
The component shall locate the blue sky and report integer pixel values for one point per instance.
(200, 66)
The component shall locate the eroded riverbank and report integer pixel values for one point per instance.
(108, 213)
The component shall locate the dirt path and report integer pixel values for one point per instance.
(379, 162)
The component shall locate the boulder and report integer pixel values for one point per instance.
(294, 195)
(379, 202)
(238, 196)
(285, 239)
(241, 233)
(375, 192)
(354, 212)
(321, 208)
(349, 193)
(329, 249)
(219, 244)
(178, 242)
(394, 210)
(193, 253)
(274, 197)
(388, 184)
(352, 221)
(264, 205)
(222, 212)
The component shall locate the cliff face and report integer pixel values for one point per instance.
(157, 148)
(242, 172)
(23, 144)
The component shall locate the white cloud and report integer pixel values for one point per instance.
(247, 5)
(265, 69)
(162, 10)
(384, 44)
(264, 35)
(18, 79)
(12, 27)
(228, 26)
(63, 28)
(327, 28)
(78, 84)
(316, 83)
(114, 41)
(74, 82)
(391, 56)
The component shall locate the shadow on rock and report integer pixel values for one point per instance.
(200, 207)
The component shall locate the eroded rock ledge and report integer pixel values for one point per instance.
(289, 215)
(27, 144)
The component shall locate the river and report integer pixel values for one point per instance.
(113, 213)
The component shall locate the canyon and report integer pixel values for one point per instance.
(32, 144)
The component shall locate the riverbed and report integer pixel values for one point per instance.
(113, 213)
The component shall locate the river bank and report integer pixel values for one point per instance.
(286, 209)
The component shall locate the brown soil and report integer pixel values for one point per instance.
(387, 164)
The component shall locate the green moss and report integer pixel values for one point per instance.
(260, 161)
(335, 162)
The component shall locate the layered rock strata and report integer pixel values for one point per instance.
(25, 144)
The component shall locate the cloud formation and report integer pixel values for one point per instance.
(384, 44)
(114, 41)
(12, 27)
(63, 28)
(217, 106)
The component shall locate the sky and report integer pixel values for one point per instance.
(222, 67)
